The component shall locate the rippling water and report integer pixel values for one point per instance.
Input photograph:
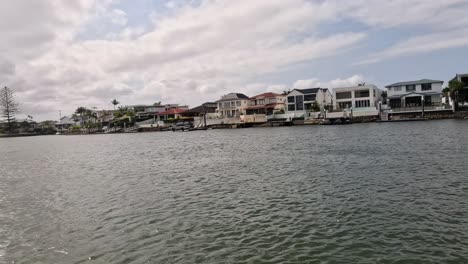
(364, 193)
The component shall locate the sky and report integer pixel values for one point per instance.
(58, 55)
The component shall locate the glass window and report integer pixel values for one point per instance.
(426, 86)
(261, 101)
(299, 102)
(291, 107)
(344, 105)
(310, 97)
(397, 89)
(238, 103)
(362, 103)
(290, 99)
(362, 93)
(343, 95)
(272, 100)
(410, 88)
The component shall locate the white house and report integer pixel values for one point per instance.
(232, 105)
(413, 93)
(301, 101)
(357, 97)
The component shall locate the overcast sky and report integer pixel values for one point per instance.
(61, 54)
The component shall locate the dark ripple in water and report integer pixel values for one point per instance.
(369, 193)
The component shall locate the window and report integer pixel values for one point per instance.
(411, 88)
(310, 97)
(426, 86)
(238, 103)
(362, 93)
(344, 105)
(397, 88)
(227, 104)
(362, 103)
(261, 101)
(343, 95)
(290, 99)
(272, 100)
(291, 107)
(299, 102)
(220, 105)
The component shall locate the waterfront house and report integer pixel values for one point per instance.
(266, 104)
(356, 97)
(66, 122)
(172, 113)
(300, 102)
(463, 94)
(232, 105)
(205, 108)
(145, 112)
(413, 95)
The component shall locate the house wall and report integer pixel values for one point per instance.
(226, 108)
(374, 97)
(321, 98)
(391, 91)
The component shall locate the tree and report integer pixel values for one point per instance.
(115, 102)
(8, 107)
(157, 103)
(455, 87)
(81, 111)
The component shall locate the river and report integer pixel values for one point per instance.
(361, 193)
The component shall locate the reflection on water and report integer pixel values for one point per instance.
(364, 193)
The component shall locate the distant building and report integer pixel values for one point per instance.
(172, 113)
(301, 101)
(66, 122)
(144, 112)
(266, 103)
(414, 93)
(208, 108)
(232, 105)
(463, 95)
(356, 97)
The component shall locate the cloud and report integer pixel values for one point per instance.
(64, 54)
(444, 25)
(315, 82)
(118, 17)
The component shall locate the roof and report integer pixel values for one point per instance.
(414, 82)
(266, 95)
(172, 111)
(201, 109)
(310, 90)
(233, 96)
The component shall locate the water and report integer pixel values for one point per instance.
(364, 193)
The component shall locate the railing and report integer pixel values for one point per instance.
(432, 107)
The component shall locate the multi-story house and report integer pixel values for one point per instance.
(302, 101)
(413, 94)
(463, 94)
(363, 97)
(144, 112)
(266, 103)
(232, 105)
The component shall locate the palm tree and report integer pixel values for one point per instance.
(115, 102)
(81, 111)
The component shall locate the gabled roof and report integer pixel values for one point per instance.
(233, 96)
(310, 90)
(266, 95)
(201, 109)
(414, 82)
